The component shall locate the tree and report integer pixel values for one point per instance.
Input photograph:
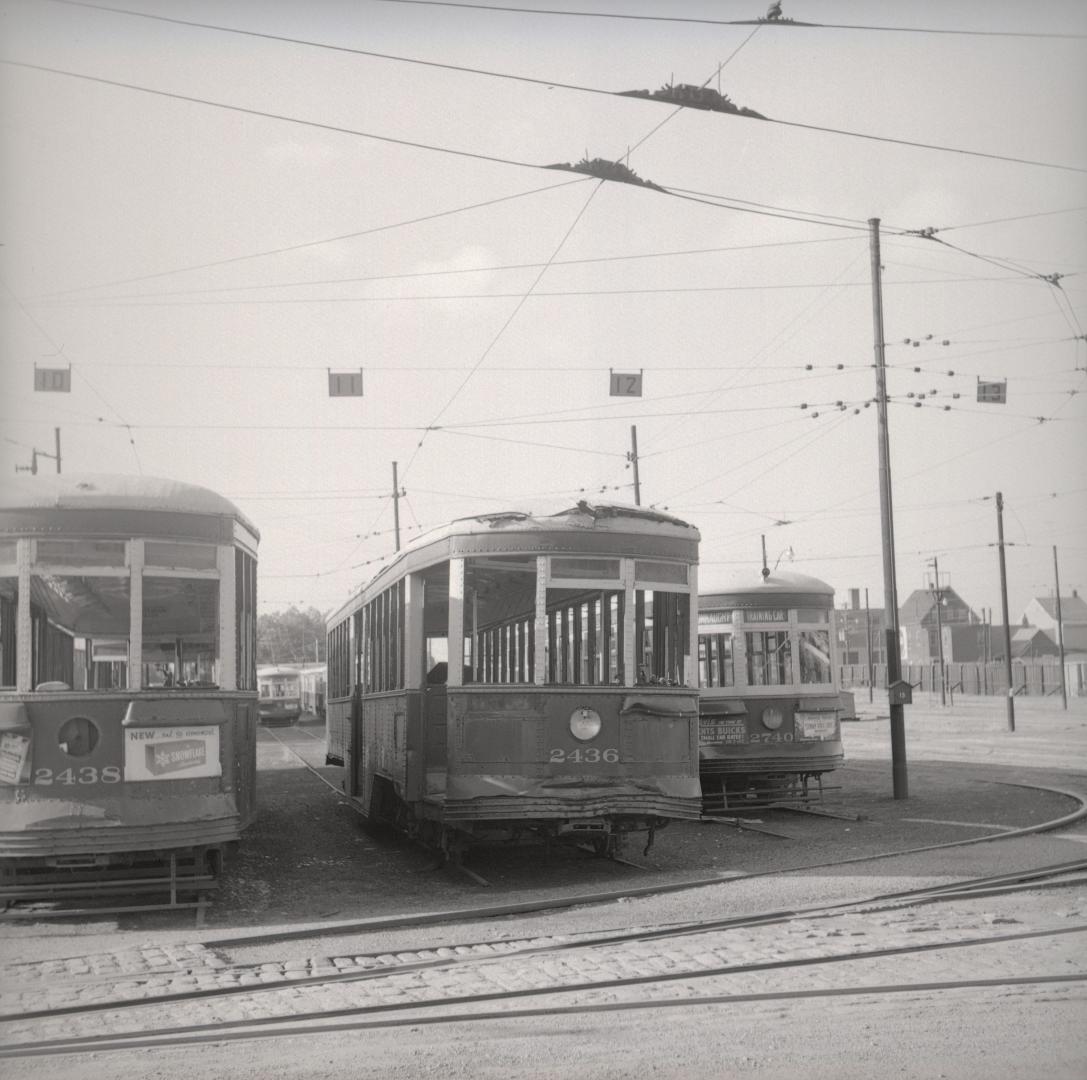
(291, 637)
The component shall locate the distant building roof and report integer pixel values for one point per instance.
(1073, 608)
(922, 601)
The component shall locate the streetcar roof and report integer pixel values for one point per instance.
(108, 491)
(607, 518)
(754, 583)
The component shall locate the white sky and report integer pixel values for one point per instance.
(111, 196)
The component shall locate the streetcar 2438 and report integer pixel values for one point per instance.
(128, 705)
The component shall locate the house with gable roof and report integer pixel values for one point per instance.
(919, 625)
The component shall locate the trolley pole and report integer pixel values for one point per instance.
(632, 457)
(939, 627)
(1060, 628)
(868, 638)
(1004, 609)
(396, 507)
(890, 588)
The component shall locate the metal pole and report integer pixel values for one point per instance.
(396, 507)
(1060, 628)
(56, 433)
(940, 631)
(634, 462)
(1004, 609)
(890, 588)
(868, 636)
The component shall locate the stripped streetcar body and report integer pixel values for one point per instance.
(128, 703)
(513, 674)
(770, 708)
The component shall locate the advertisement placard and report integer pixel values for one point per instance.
(172, 753)
(14, 755)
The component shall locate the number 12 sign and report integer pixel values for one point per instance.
(626, 384)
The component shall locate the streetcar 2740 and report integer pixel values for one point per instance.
(770, 706)
(514, 674)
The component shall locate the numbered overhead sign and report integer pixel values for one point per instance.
(345, 383)
(54, 380)
(625, 384)
(993, 393)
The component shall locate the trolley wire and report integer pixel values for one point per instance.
(286, 249)
(775, 23)
(367, 278)
(554, 83)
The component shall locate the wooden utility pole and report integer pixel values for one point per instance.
(32, 468)
(890, 588)
(868, 637)
(939, 627)
(1060, 628)
(632, 457)
(396, 507)
(1004, 610)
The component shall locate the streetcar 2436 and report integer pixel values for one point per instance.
(515, 674)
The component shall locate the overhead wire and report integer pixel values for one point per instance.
(460, 271)
(502, 329)
(782, 24)
(288, 248)
(121, 303)
(550, 83)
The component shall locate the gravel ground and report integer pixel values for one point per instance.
(307, 860)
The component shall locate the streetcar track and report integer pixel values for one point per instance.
(572, 1010)
(579, 900)
(291, 750)
(232, 1029)
(887, 902)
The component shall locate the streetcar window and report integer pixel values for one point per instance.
(9, 607)
(662, 623)
(769, 658)
(79, 628)
(180, 556)
(180, 632)
(715, 660)
(384, 641)
(815, 656)
(245, 615)
(500, 618)
(584, 636)
(664, 573)
(585, 569)
(340, 639)
(80, 552)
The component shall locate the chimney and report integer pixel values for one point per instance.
(855, 599)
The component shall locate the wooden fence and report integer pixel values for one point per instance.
(1036, 678)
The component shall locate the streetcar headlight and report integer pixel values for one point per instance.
(771, 719)
(584, 724)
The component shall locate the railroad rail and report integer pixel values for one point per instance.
(377, 967)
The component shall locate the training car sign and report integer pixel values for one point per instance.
(172, 753)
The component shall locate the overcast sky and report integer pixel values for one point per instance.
(202, 267)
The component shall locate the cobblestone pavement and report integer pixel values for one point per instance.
(496, 968)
